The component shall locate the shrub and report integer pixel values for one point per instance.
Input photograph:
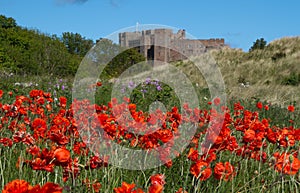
(293, 79)
(278, 56)
(258, 44)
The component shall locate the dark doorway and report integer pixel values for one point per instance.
(150, 53)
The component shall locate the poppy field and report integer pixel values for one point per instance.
(245, 146)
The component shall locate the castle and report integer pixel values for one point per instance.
(166, 46)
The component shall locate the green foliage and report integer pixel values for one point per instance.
(5, 61)
(103, 94)
(151, 93)
(123, 61)
(7, 22)
(24, 51)
(258, 44)
(76, 44)
(105, 50)
(293, 79)
(110, 59)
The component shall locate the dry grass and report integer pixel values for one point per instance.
(260, 68)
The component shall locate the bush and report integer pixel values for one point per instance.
(258, 44)
(278, 56)
(293, 79)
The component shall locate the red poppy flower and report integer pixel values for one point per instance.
(41, 164)
(157, 183)
(96, 162)
(62, 155)
(164, 135)
(138, 191)
(39, 123)
(40, 100)
(99, 83)
(193, 154)
(50, 187)
(96, 187)
(33, 150)
(21, 186)
(132, 107)
(249, 135)
(157, 188)
(80, 148)
(17, 186)
(181, 191)
(224, 171)
(36, 93)
(168, 164)
(287, 163)
(217, 101)
(158, 179)
(201, 170)
(271, 136)
(125, 188)
(6, 141)
(259, 105)
(63, 101)
(291, 108)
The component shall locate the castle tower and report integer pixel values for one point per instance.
(161, 44)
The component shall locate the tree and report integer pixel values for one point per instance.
(7, 22)
(106, 50)
(258, 44)
(24, 51)
(123, 61)
(76, 44)
(112, 57)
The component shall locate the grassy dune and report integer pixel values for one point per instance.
(271, 73)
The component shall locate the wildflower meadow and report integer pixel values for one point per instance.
(256, 149)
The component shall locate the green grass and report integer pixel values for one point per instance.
(252, 176)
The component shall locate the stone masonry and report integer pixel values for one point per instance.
(169, 46)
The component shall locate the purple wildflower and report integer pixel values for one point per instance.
(158, 87)
(148, 81)
(131, 84)
(123, 90)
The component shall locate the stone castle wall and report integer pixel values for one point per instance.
(169, 46)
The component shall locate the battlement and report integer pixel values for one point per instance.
(213, 42)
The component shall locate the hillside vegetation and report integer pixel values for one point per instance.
(271, 74)
(27, 51)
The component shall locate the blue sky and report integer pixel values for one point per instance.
(240, 22)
